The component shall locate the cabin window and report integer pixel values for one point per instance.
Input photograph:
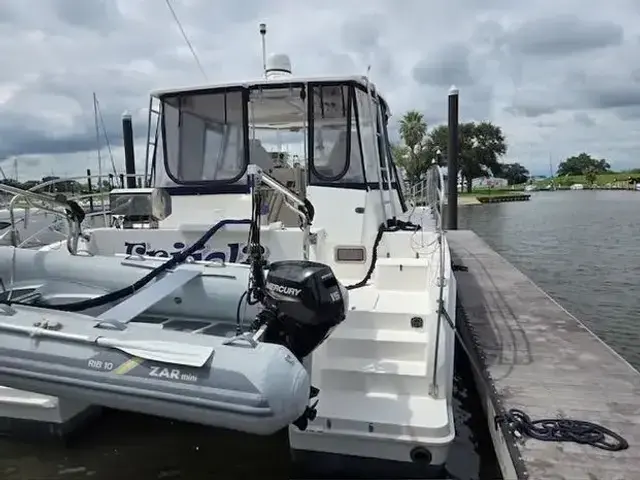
(336, 146)
(367, 116)
(277, 126)
(392, 165)
(204, 137)
(383, 151)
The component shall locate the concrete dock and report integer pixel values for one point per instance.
(535, 356)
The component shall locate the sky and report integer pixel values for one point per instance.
(559, 77)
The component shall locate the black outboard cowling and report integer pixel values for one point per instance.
(303, 302)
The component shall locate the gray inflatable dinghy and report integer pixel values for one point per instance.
(247, 379)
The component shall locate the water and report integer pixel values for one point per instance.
(580, 246)
(122, 445)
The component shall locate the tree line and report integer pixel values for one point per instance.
(481, 146)
(590, 167)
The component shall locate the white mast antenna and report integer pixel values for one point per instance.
(263, 34)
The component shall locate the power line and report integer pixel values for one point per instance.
(186, 39)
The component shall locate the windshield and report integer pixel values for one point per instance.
(278, 127)
(329, 132)
(204, 137)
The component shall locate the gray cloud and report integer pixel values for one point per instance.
(611, 93)
(449, 65)
(563, 35)
(583, 118)
(102, 15)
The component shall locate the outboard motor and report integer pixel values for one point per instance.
(303, 303)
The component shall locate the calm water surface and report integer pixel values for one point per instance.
(582, 247)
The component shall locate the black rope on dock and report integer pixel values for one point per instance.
(562, 430)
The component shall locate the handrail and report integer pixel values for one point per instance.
(57, 201)
(434, 199)
(256, 176)
(429, 193)
(51, 227)
(34, 236)
(54, 181)
(26, 200)
(47, 203)
(273, 183)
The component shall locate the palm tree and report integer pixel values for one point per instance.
(413, 128)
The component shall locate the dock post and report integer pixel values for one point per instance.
(129, 155)
(452, 161)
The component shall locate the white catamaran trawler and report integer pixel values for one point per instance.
(166, 315)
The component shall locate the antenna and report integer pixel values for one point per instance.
(263, 34)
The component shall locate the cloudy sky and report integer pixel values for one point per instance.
(560, 77)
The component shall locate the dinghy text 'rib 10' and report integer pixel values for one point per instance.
(159, 351)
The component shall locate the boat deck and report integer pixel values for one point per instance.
(537, 357)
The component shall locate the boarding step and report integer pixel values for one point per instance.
(402, 274)
(406, 244)
(368, 375)
(376, 320)
(377, 343)
(417, 416)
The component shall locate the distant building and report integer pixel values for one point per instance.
(489, 182)
(480, 182)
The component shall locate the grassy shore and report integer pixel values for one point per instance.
(603, 180)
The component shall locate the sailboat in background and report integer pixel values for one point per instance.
(551, 186)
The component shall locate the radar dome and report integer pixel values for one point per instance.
(278, 66)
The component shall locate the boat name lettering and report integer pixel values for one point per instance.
(274, 287)
(171, 374)
(234, 253)
(100, 365)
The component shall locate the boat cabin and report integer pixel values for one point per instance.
(325, 139)
(203, 139)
